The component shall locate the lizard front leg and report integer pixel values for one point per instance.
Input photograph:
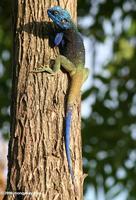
(78, 75)
(60, 61)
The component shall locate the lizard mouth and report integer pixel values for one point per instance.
(49, 13)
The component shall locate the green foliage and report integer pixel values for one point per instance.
(109, 133)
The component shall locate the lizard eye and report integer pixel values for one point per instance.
(64, 21)
(55, 12)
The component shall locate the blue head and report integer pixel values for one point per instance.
(60, 17)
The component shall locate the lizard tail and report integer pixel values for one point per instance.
(67, 140)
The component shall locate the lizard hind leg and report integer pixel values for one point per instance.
(86, 73)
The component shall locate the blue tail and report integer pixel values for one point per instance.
(67, 141)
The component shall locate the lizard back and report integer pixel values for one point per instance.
(73, 47)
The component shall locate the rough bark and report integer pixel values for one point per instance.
(36, 158)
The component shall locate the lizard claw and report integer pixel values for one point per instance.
(43, 69)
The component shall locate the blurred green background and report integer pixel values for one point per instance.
(5, 65)
(109, 128)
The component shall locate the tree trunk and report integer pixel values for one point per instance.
(37, 159)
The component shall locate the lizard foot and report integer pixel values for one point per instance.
(43, 69)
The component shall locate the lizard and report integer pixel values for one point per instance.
(72, 59)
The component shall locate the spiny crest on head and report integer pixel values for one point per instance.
(60, 17)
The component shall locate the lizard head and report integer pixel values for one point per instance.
(60, 17)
